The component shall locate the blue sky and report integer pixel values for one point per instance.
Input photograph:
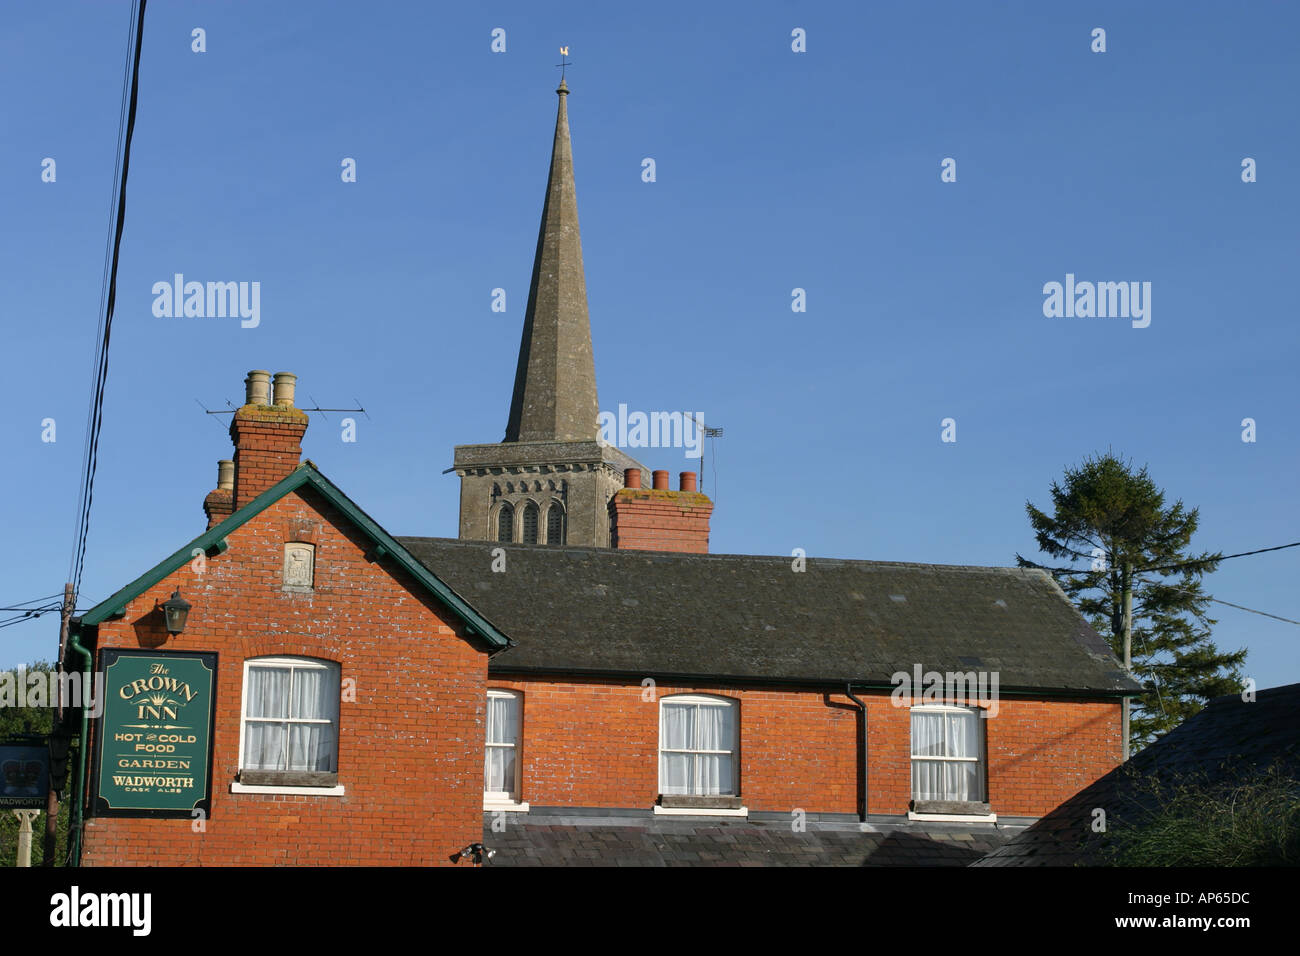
(775, 170)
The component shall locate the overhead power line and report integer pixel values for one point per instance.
(1241, 554)
(1165, 567)
(29, 615)
(1185, 564)
(22, 605)
(1239, 607)
(108, 294)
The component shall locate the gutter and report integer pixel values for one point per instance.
(505, 670)
(862, 752)
(76, 823)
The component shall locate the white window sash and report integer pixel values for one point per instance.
(507, 752)
(935, 776)
(327, 728)
(695, 765)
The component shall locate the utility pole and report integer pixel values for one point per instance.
(1128, 647)
(52, 796)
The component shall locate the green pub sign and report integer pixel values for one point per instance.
(154, 747)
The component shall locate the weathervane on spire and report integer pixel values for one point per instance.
(564, 61)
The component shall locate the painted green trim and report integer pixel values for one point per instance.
(77, 822)
(304, 475)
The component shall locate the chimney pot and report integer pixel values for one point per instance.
(226, 475)
(661, 480)
(257, 388)
(688, 481)
(285, 383)
(632, 478)
(268, 438)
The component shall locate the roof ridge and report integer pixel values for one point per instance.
(784, 558)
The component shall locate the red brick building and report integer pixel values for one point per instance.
(300, 586)
(577, 650)
(607, 639)
(535, 679)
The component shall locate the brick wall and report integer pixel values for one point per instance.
(268, 445)
(589, 743)
(410, 745)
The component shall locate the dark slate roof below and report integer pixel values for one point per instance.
(745, 617)
(1227, 737)
(565, 840)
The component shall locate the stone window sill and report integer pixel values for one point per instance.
(701, 806)
(671, 801)
(510, 806)
(700, 812)
(952, 811)
(282, 781)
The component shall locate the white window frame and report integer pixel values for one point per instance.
(981, 760)
(702, 700)
(502, 799)
(300, 663)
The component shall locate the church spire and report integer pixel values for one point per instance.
(555, 381)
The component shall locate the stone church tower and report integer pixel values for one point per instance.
(550, 480)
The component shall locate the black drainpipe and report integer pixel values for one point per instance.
(862, 752)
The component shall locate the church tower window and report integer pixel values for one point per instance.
(555, 523)
(506, 524)
(530, 523)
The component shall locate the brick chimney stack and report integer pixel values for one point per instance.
(267, 432)
(220, 502)
(659, 519)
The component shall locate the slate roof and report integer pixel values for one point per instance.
(1228, 736)
(752, 618)
(557, 839)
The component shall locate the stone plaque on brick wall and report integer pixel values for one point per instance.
(299, 565)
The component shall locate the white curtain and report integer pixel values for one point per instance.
(946, 734)
(677, 734)
(714, 730)
(268, 697)
(499, 773)
(278, 697)
(268, 692)
(502, 729)
(697, 727)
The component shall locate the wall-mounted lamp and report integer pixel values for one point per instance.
(476, 852)
(176, 610)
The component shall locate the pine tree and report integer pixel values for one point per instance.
(1116, 521)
